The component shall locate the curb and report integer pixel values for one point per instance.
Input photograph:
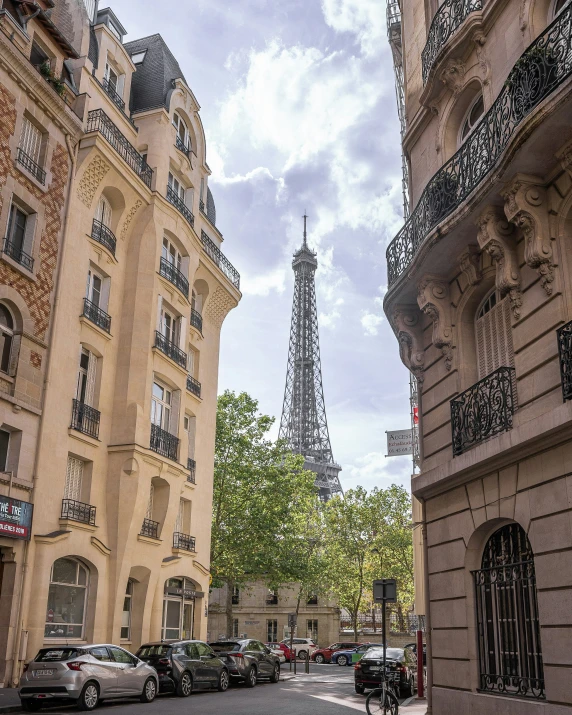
(10, 708)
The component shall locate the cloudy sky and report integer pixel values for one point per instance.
(297, 98)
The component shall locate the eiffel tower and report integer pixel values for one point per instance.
(304, 425)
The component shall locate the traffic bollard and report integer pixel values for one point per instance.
(420, 667)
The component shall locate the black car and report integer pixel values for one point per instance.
(184, 666)
(248, 660)
(400, 662)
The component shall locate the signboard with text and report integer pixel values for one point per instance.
(399, 443)
(15, 518)
(184, 592)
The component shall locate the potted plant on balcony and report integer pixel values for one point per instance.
(50, 77)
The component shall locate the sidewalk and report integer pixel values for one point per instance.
(412, 706)
(9, 700)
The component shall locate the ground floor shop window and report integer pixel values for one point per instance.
(65, 616)
(271, 631)
(178, 609)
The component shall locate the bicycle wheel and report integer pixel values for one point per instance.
(375, 706)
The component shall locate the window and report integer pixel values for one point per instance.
(493, 334)
(312, 629)
(121, 656)
(20, 235)
(138, 57)
(179, 523)
(31, 141)
(85, 391)
(235, 595)
(475, 112)
(94, 287)
(271, 598)
(271, 631)
(37, 56)
(170, 253)
(235, 627)
(4, 446)
(313, 600)
(510, 654)
(114, 30)
(6, 338)
(170, 326)
(111, 77)
(126, 614)
(177, 187)
(74, 478)
(101, 654)
(192, 361)
(65, 616)
(103, 212)
(182, 131)
(161, 402)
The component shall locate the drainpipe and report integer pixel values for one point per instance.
(15, 676)
(427, 607)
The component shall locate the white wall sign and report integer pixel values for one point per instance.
(399, 443)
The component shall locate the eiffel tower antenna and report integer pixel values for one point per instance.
(304, 425)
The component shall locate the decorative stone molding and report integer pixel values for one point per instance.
(527, 207)
(219, 306)
(479, 38)
(470, 264)
(453, 74)
(433, 299)
(132, 211)
(407, 326)
(91, 179)
(496, 236)
(565, 156)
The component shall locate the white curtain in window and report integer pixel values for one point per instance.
(74, 478)
(103, 212)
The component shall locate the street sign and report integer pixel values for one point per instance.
(292, 620)
(385, 589)
(399, 442)
(15, 518)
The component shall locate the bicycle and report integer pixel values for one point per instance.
(383, 701)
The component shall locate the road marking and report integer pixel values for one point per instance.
(355, 705)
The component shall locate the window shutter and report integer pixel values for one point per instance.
(149, 514)
(74, 477)
(173, 426)
(120, 85)
(14, 355)
(494, 339)
(160, 313)
(182, 333)
(180, 516)
(91, 374)
(29, 230)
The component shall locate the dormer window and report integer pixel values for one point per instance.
(138, 57)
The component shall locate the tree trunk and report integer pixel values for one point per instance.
(355, 622)
(229, 592)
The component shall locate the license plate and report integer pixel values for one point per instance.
(375, 668)
(45, 672)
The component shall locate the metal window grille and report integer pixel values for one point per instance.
(192, 467)
(510, 654)
(30, 165)
(85, 419)
(216, 255)
(102, 234)
(78, 511)
(164, 442)
(18, 255)
(564, 336)
(174, 276)
(180, 144)
(170, 349)
(180, 205)
(150, 528)
(196, 320)
(96, 315)
(183, 541)
(112, 92)
(193, 386)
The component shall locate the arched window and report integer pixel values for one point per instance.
(184, 141)
(126, 615)
(493, 334)
(6, 337)
(65, 616)
(474, 113)
(510, 655)
(557, 6)
(103, 212)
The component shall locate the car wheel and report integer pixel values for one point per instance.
(223, 681)
(275, 677)
(30, 706)
(89, 696)
(342, 660)
(185, 685)
(406, 691)
(302, 654)
(149, 691)
(250, 680)
(320, 659)
(360, 688)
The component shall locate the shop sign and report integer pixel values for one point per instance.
(15, 518)
(399, 442)
(187, 593)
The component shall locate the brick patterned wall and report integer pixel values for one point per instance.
(35, 359)
(38, 295)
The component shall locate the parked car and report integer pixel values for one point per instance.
(288, 654)
(324, 655)
(402, 666)
(346, 657)
(184, 666)
(248, 660)
(302, 646)
(413, 647)
(85, 675)
(278, 652)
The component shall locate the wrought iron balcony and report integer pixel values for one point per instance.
(78, 511)
(170, 349)
(192, 467)
(181, 146)
(98, 121)
(112, 92)
(174, 276)
(483, 411)
(196, 320)
(103, 235)
(150, 528)
(164, 442)
(564, 335)
(18, 255)
(183, 541)
(202, 206)
(446, 21)
(216, 255)
(85, 419)
(30, 165)
(97, 316)
(541, 69)
(193, 386)
(180, 205)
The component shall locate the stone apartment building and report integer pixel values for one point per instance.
(113, 292)
(480, 299)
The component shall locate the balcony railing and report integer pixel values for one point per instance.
(170, 349)
(112, 92)
(181, 146)
(564, 335)
(94, 313)
(196, 320)
(202, 206)
(164, 442)
(192, 467)
(447, 20)
(174, 276)
(30, 165)
(85, 419)
(180, 205)
(216, 255)
(103, 235)
(78, 511)
(483, 411)
(18, 255)
(543, 66)
(98, 121)
(193, 386)
(183, 541)
(150, 528)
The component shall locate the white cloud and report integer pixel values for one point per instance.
(363, 18)
(262, 285)
(371, 320)
(375, 469)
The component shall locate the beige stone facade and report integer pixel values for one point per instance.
(479, 288)
(110, 398)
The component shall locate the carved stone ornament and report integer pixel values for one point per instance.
(479, 38)
(496, 236)
(452, 75)
(131, 213)
(219, 306)
(406, 322)
(433, 299)
(565, 156)
(470, 264)
(527, 207)
(91, 179)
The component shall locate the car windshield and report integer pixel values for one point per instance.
(53, 655)
(392, 653)
(225, 647)
(146, 650)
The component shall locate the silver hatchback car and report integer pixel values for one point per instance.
(86, 675)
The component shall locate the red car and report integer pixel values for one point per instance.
(324, 655)
(288, 654)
